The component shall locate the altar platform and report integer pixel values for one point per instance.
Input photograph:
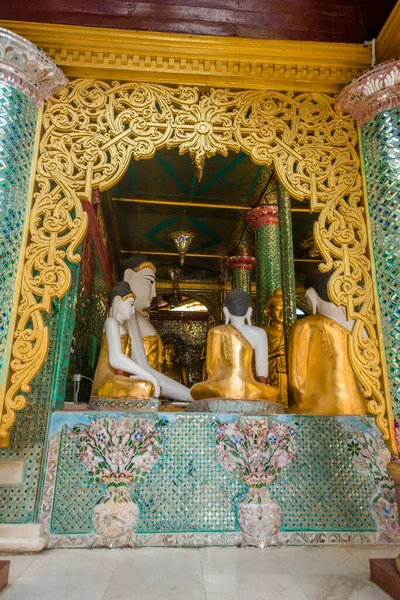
(335, 490)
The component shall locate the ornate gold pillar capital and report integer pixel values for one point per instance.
(27, 68)
(242, 261)
(372, 92)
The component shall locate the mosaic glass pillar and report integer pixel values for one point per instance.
(374, 100)
(287, 260)
(241, 267)
(27, 78)
(265, 221)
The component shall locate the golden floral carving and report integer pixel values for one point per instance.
(93, 129)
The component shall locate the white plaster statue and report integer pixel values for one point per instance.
(117, 375)
(147, 347)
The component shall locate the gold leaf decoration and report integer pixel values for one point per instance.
(93, 129)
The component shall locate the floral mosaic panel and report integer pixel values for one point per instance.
(188, 490)
(381, 142)
(371, 458)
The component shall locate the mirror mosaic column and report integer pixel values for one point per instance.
(374, 100)
(28, 77)
(241, 267)
(264, 219)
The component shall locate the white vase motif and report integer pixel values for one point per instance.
(260, 518)
(115, 516)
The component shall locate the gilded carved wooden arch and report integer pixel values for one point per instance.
(93, 129)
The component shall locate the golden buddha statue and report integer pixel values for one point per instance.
(147, 347)
(171, 365)
(277, 371)
(230, 351)
(117, 374)
(321, 379)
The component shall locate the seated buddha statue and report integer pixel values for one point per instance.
(171, 365)
(117, 375)
(230, 351)
(147, 347)
(277, 371)
(321, 379)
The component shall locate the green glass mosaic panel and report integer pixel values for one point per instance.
(188, 490)
(18, 504)
(241, 278)
(322, 490)
(17, 135)
(74, 497)
(64, 340)
(89, 322)
(381, 140)
(268, 266)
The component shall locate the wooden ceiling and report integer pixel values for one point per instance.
(350, 21)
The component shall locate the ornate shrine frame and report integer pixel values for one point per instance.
(92, 129)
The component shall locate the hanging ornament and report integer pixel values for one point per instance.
(182, 240)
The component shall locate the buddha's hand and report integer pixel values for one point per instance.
(156, 383)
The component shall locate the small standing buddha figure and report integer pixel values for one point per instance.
(117, 375)
(230, 351)
(321, 378)
(171, 365)
(277, 371)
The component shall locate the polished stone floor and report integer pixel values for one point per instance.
(294, 573)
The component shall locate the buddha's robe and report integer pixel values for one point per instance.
(277, 372)
(229, 368)
(112, 383)
(153, 348)
(177, 372)
(321, 379)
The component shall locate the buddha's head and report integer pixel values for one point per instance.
(273, 310)
(140, 274)
(170, 353)
(121, 301)
(316, 286)
(237, 304)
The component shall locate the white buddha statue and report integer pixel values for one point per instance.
(117, 375)
(147, 347)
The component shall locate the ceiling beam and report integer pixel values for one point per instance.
(195, 204)
(234, 62)
(188, 255)
(388, 40)
(222, 256)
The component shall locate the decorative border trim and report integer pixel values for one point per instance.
(373, 92)
(328, 538)
(28, 69)
(96, 52)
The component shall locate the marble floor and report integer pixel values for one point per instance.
(293, 573)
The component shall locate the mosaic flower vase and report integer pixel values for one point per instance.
(115, 517)
(260, 518)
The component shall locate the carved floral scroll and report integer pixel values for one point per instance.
(93, 129)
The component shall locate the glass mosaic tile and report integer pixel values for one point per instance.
(18, 117)
(188, 491)
(381, 142)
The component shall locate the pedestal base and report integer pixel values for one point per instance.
(230, 405)
(386, 576)
(23, 538)
(124, 404)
